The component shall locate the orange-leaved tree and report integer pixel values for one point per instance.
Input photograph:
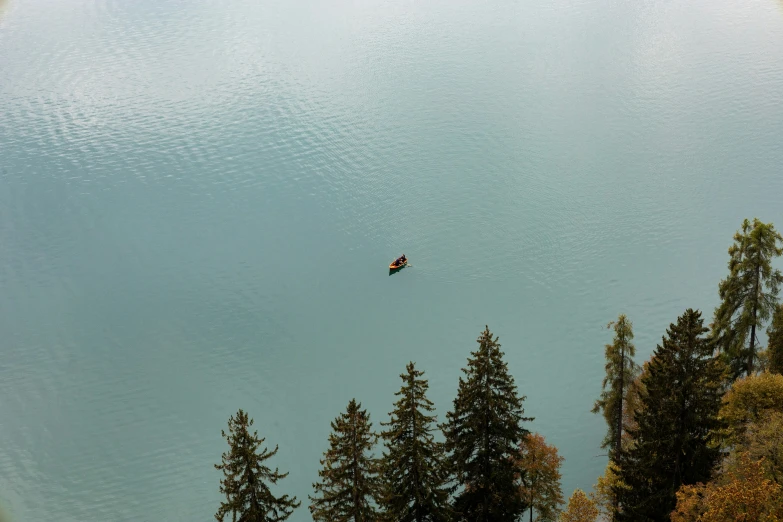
(539, 477)
(742, 494)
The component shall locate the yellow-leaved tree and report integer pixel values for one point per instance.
(748, 400)
(604, 490)
(581, 508)
(742, 494)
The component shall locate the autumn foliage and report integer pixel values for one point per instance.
(604, 490)
(742, 494)
(540, 480)
(748, 400)
(748, 485)
(581, 508)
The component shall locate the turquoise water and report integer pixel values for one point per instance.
(199, 200)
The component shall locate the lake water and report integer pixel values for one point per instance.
(199, 200)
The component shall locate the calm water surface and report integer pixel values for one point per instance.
(198, 202)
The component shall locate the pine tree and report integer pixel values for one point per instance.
(246, 478)
(414, 467)
(350, 486)
(679, 409)
(775, 341)
(621, 371)
(748, 295)
(482, 436)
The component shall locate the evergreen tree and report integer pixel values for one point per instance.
(679, 409)
(246, 477)
(621, 371)
(748, 295)
(350, 486)
(414, 467)
(482, 437)
(775, 342)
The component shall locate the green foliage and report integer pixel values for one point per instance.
(621, 371)
(246, 478)
(482, 436)
(414, 469)
(748, 295)
(679, 408)
(775, 342)
(350, 486)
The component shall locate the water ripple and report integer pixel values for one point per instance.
(197, 204)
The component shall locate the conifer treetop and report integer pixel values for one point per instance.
(748, 294)
(350, 487)
(415, 474)
(483, 432)
(246, 477)
(679, 409)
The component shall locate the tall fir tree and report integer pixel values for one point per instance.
(415, 475)
(748, 295)
(679, 408)
(483, 433)
(775, 341)
(246, 478)
(621, 371)
(350, 486)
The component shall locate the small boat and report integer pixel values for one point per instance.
(398, 263)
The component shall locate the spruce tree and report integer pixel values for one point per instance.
(775, 341)
(483, 433)
(414, 467)
(246, 477)
(350, 486)
(621, 371)
(748, 295)
(679, 408)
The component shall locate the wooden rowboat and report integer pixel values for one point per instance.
(396, 264)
